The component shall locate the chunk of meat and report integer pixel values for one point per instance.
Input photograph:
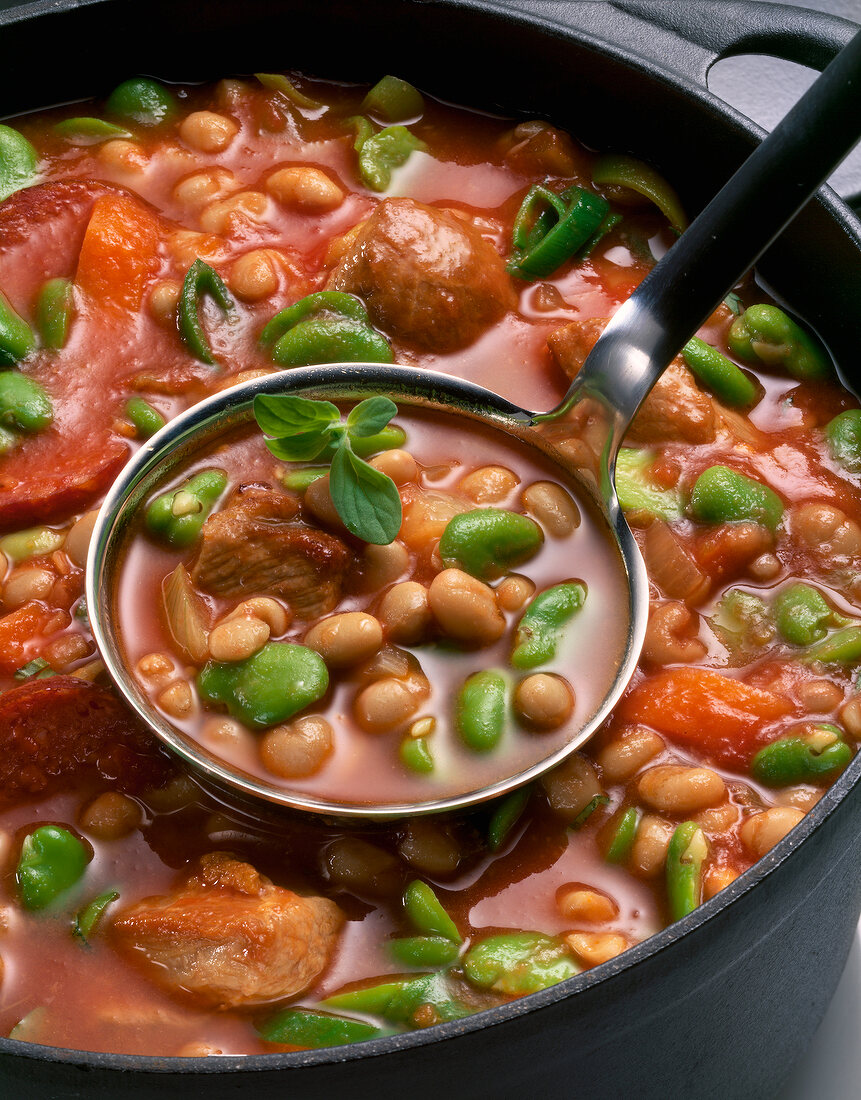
(675, 409)
(253, 546)
(232, 938)
(426, 275)
(54, 730)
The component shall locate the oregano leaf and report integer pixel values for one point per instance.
(303, 446)
(371, 416)
(366, 499)
(282, 415)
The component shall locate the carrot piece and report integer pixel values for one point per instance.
(701, 707)
(119, 253)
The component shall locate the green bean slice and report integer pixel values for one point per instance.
(88, 919)
(200, 280)
(54, 308)
(423, 951)
(308, 1028)
(425, 911)
(146, 419)
(687, 851)
(505, 816)
(726, 380)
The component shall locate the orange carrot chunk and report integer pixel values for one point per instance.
(119, 253)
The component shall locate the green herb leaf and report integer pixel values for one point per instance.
(371, 416)
(304, 446)
(280, 415)
(366, 499)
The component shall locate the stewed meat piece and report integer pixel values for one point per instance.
(232, 938)
(255, 544)
(676, 408)
(426, 275)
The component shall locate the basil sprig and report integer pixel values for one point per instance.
(301, 430)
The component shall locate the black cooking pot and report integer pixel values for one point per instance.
(723, 1003)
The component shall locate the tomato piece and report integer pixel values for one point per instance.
(119, 253)
(22, 632)
(53, 730)
(705, 709)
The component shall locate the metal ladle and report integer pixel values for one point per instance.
(645, 334)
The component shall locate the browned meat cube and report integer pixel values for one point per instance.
(254, 545)
(676, 408)
(230, 937)
(427, 276)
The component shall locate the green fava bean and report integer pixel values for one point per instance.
(393, 100)
(721, 375)
(16, 336)
(178, 515)
(480, 710)
(721, 495)
(687, 851)
(488, 542)
(17, 162)
(519, 963)
(269, 687)
(303, 1027)
(843, 434)
(843, 647)
(425, 911)
(146, 420)
(380, 153)
(331, 339)
(802, 615)
(143, 101)
(505, 817)
(415, 754)
(397, 1001)
(540, 629)
(54, 312)
(24, 405)
(767, 334)
(423, 951)
(52, 860)
(791, 760)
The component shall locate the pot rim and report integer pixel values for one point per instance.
(660, 942)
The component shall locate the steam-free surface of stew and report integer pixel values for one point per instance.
(166, 242)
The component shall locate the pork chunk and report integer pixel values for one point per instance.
(426, 275)
(255, 545)
(232, 938)
(676, 408)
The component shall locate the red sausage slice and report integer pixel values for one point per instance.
(53, 730)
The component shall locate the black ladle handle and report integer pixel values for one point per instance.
(722, 243)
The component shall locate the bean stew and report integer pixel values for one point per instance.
(168, 241)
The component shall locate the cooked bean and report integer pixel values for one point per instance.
(626, 754)
(553, 507)
(245, 206)
(766, 567)
(276, 616)
(77, 542)
(670, 635)
(426, 516)
(762, 831)
(819, 696)
(649, 850)
(826, 530)
(514, 592)
(110, 816)
(318, 500)
(123, 156)
(718, 819)
(345, 639)
(405, 613)
(397, 464)
(850, 717)
(429, 846)
(362, 867)
(297, 749)
(480, 710)
(236, 638)
(155, 666)
(223, 731)
(63, 652)
(594, 948)
(28, 582)
(572, 786)
(305, 188)
(488, 484)
(717, 879)
(465, 608)
(177, 700)
(254, 276)
(675, 789)
(382, 565)
(388, 703)
(164, 301)
(543, 701)
(203, 186)
(582, 903)
(208, 132)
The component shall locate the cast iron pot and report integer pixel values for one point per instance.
(723, 1003)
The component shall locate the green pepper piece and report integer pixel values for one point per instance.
(146, 420)
(200, 279)
(305, 1027)
(322, 301)
(398, 1001)
(480, 710)
(618, 170)
(54, 312)
(277, 82)
(813, 757)
(32, 542)
(549, 228)
(331, 340)
(415, 754)
(143, 101)
(52, 860)
(624, 835)
(802, 614)
(17, 162)
(89, 131)
(24, 405)
(843, 647)
(635, 490)
(487, 542)
(88, 918)
(519, 962)
(506, 815)
(721, 495)
(269, 687)
(423, 951)
(393, 100)
(16, 336)
(726, 380)
(539, 631)
(687, 851)
(765, 333)
(178, 515)
(843, 434)
(381, 153)
(425, 911)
